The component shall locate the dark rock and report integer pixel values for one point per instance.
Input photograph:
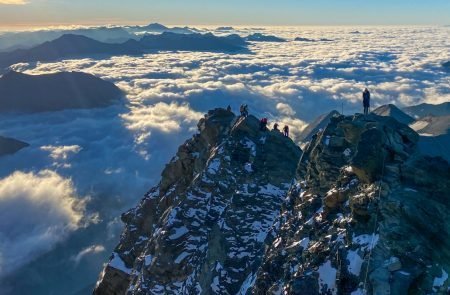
(52, 92)
(258, 37)
(70, 46)
(368, 160)
(10, 146)
(205, 226)
(392, 111)
(367, 213)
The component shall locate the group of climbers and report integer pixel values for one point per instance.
(263, 127)
(263, 122)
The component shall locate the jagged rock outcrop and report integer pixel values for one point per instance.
(369, 215)
(203, 229)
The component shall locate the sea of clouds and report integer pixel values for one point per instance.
(63, 195)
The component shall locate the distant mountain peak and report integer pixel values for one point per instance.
(391, 110)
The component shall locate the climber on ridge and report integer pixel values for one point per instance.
(366, 101)
(286, 131)
(263, 124)
(244, 110)
(229, 108)
(275, 127)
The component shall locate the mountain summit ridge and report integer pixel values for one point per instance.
(242, 211)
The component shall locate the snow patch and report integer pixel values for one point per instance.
(359, 291)
(355, 262)
(347, 152)
(117, 263)
(248, 167)
(440, 281)
(327, 277)
(179, 232)
(148, 260)
(367, 242)
(248, 283)
(214, 166)
(181, 257)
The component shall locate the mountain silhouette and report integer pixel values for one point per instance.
(51, 92)
(71, 46)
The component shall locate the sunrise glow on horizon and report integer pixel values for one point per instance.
(40, 13)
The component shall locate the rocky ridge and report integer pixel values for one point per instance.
(366, 214)
(202, 230)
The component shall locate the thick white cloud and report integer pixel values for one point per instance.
(285, 109)
(37, 211)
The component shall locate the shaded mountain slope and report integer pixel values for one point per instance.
(391, 110)
(51, 92)
(72, 46)
(10, 146)
(425, 109)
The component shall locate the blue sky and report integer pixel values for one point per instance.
(235, 12)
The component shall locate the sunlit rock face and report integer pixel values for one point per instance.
(204, 227)
(369, 215)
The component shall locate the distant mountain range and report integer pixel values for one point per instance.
(424, 109)
(10, 146)
(258, 37)
(24, 40)
(159, 28)
(72, 46)
(52, 92)
(300, 39)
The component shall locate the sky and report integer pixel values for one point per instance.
(17, 13)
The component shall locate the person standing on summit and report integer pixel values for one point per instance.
(366, 101)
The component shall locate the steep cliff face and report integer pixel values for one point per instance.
(203, 228)
(243, 211)
(369, 215)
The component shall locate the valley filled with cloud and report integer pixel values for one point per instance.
(64, 193)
